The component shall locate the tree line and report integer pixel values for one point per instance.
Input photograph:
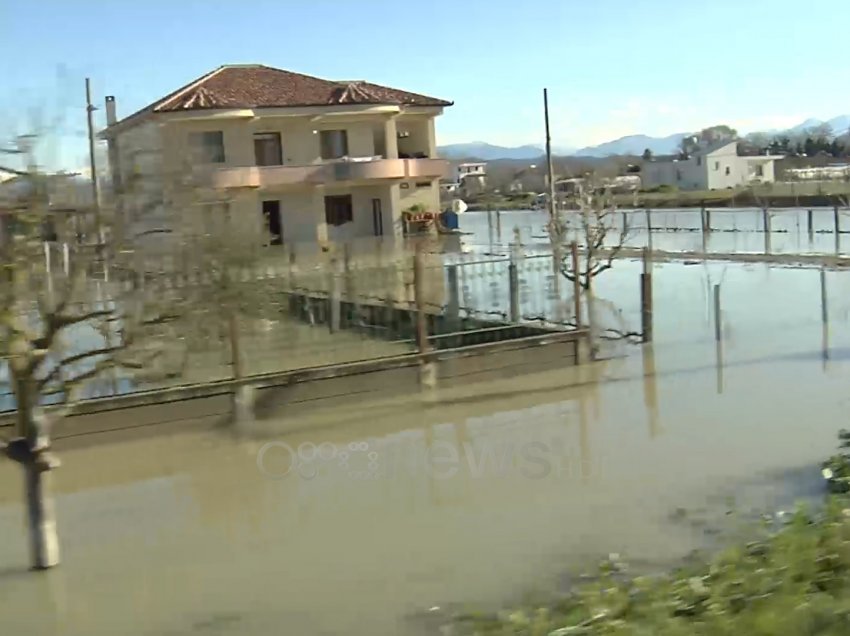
(817, 140)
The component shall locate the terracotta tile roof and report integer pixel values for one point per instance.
(257, 86)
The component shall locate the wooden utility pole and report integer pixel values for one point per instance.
(92, 166)
(549, 171)
(554, 226)
(646, 297)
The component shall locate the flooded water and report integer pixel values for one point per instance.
(475, 495)
(733, 230)
(359, 521)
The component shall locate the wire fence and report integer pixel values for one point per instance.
(348, 305)
(314, 310)
(771, 231)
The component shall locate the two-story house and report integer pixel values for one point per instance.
(293, 157)
(713, 167)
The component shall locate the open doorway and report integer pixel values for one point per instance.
(274, 228)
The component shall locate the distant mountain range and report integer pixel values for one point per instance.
(489, 152)
(630, 145)
(838, 124)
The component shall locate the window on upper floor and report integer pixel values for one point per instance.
(334, 144)
(717, 165)
(207, 146)
(267, 149)
(728, 171)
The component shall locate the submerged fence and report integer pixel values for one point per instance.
(770, 231)
(368, 301)
(295, 310)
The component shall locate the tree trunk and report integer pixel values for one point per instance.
(44, 540)
(32, 451)
(592, 325)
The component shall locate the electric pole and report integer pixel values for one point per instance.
(554, 225)
(94, 190)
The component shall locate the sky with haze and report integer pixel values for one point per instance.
(613, 67)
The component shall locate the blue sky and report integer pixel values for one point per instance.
(613, 67)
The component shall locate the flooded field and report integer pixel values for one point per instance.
(377, 519)
(362, 521)
(733, 230)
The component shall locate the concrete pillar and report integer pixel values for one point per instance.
(243, 404)
(432, 138)
(392, 215)
(391, 138)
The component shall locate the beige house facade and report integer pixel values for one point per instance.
(714, 167)
(283, 157)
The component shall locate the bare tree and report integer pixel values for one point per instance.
(600, 230)
(58, 336)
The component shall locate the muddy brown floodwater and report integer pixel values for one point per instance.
(475, 495)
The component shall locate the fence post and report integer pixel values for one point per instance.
(824, 314)
(836, 219)
(646, 297)
(427, 367)
(419, 300)
(499, 225)
(349, 282)
(811, 226)
(334, 296)
(576, 282)
(718, 327)
(513, 284)
(490, 226)
(291, 277)
(453, 305)
(649, 228)
(765, 215)
(235, 351)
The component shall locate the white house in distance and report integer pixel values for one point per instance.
(472, 177)
(714, 167)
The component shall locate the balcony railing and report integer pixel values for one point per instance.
(329, 172)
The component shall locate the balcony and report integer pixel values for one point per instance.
(329, 172)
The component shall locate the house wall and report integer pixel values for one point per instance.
(300, 138)
(769, 172)
(140, 155)
(160, 149)
(686, 175)
(420, 139)
(719, 161)
(303, 213)
(429, 196)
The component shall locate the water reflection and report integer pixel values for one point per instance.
(650, 389)
(724, 230)
(193, 529)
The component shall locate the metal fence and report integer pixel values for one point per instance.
(310, 308)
